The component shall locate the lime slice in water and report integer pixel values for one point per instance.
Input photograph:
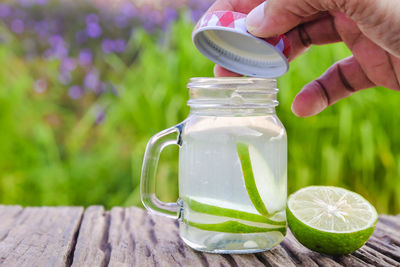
(266, 196)
(235, 227)
(213, 218)
(205, 218)
(330, 220)
(272, 189)
(201, 207)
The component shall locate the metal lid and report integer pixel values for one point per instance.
(222, 37)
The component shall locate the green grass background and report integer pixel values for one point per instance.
(52, 152)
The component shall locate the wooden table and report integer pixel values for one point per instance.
(72, 236)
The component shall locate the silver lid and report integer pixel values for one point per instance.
(222, 37)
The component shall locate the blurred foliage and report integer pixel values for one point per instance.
(85, 147)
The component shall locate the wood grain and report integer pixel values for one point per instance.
(90, 249)
(133, 237)
(8, 215)
(38, 236)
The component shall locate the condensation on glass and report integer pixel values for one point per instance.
(232, 167)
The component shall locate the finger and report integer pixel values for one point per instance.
(278, 17)
(380, 67)
(243, 6)
(378, 20)
(221, 72)
(320, 31)
(339, 81)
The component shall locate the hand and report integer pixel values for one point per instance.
(370, 29)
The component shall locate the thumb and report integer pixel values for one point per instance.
(271, 18)
(378, 20)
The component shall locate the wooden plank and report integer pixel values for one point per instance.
(353, 261)
(125, 237)
(90, 249)
(8, 215)
(5, 209)
(302, 256)
(141, 239)
(388, 250)
(392, 221)
(41, 237)
(368, 255)
(373, 257)
(133, 237)
(372, 254)
(386, 239)
(275, 257)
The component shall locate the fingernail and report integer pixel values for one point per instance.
(255, 18)
(308, 102)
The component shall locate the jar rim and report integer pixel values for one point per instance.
(238, 83)
(232, 93)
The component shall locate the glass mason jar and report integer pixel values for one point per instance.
(232, 167)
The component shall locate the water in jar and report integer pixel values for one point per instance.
(220, 210)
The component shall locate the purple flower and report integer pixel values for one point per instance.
(92, 18)
(85, 57)
(25, 3)
(68, 64)
(197, 8)
(122, 21)
(119, 45)
(107, 46)
(93, 30)
(170, 15)
(128, 9)
(58, 47)
(40, 86)
(91, 80)
(41, 27)
(17, 26)
(60, 52)
(196, 14)
(56, 40)
(41, 2)
(148, 25)
(5, 10)
(28, 3)
(155, 16)
(75, 92)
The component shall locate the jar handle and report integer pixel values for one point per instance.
(170, 136)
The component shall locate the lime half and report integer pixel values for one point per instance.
(330, 220)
